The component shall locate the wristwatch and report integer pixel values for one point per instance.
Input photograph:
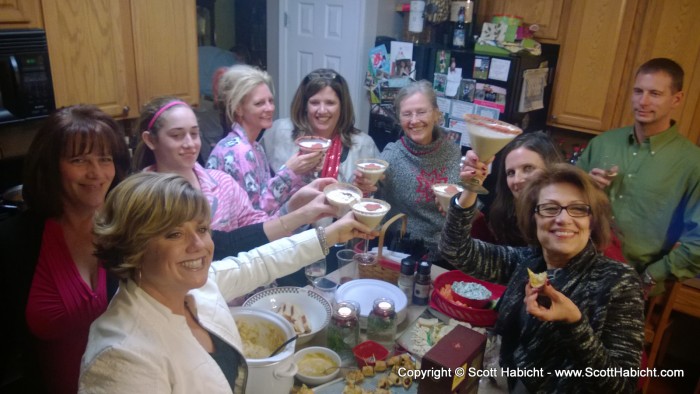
(647, 280)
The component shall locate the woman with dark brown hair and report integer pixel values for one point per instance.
(321, 107)
(53, 283)
(588, 314)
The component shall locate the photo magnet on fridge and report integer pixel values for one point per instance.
(468, 89)
(439, 84)
(481, 67)
(442, 61)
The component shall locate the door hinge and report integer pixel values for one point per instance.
(285, 19)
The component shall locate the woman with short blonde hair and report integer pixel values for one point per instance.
(248, 99)
(169, 328)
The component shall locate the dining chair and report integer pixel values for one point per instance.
(683, 297)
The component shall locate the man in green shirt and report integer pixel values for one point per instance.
(651, 174)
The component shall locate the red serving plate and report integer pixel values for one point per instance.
(475, 316)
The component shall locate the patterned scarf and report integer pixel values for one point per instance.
(331, 163)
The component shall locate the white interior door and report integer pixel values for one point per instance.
(333, 34)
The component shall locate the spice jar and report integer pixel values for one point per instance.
(381, 322)
(421, 288)
(408, 270)
(343, 332)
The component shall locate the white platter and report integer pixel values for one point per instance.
(365, 291)
(316, 308)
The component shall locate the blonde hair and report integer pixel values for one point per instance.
(236, 83)
(142, 207)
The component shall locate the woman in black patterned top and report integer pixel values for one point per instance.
(595, 320)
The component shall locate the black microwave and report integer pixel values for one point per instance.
(26, 90)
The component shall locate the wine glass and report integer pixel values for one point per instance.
(370, 212)
(310, 144)
(315, 271)
(487, 137)
(372, 169)
(608, 163)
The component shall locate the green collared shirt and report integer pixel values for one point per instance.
(655, 199)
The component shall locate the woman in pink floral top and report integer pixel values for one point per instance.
(246, 93)
(171, 143)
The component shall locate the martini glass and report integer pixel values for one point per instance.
(487, 136)
(310, 144)
(370, 212)
(444, 192)
(343, 196)
(372, 169)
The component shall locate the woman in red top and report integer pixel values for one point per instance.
(56, 285)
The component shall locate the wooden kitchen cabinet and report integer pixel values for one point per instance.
(670, 29)
(119, 54)
(165, 49)
(592, 64)
(20, 14)
(547, 14)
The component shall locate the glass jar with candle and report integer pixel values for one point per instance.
(344, 329)
(381, 322)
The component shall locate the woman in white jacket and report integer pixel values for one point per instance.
(168, 329)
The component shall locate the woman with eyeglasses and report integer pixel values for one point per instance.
(321, 107)
(246, 95)
(423, 156)
(518, 162)
(590, 311)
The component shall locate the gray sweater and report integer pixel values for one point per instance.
(413, 169)
(610, 333)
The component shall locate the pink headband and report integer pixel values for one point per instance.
(163, 109)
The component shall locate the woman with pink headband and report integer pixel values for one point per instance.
(171, 143)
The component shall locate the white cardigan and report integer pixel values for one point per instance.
(279, 147)
(139, 346)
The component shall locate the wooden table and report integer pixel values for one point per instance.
(412, 312)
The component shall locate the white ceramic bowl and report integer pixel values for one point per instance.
(316, 380)
(306, 302)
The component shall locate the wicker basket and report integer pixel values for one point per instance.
(475, 316)
(385, 269)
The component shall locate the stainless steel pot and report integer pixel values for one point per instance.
(273, 374)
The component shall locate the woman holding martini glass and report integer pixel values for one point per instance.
(422, 157)
(322, 107)
(487, 136)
